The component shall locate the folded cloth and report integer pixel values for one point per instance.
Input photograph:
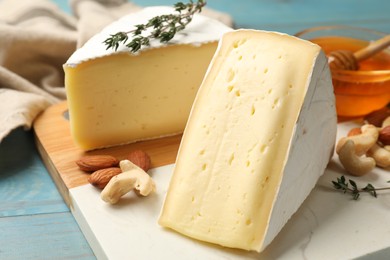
(36, 39)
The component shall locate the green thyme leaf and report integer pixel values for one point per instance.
(164, 27)
(354, 190)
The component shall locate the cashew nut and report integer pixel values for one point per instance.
(131, 178)
(362, 142)
(353, 163)
(380, 155)
(127, 165)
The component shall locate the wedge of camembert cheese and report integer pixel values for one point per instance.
(121, 97)
(261, 132)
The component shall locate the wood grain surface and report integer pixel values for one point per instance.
(34, 220)
(42, 236)
(59, 152)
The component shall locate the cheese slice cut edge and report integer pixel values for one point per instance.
(120, 97)
(124, 98)
(229, 182)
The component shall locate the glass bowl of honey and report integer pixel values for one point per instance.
(362, 91)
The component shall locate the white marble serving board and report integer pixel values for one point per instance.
(328, 225)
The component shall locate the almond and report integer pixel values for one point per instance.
(384, 136)
(377, 117)
(140, 158)
(90, 163)
(354, 131)
(100, 178)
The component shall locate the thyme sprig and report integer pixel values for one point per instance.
(352, 188)
(164, 27)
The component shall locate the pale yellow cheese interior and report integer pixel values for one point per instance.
(237, 140)
(123, 98)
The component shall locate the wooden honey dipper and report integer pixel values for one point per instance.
(348, 60)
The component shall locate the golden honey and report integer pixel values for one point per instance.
(359, 92)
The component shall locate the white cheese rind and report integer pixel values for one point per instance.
(314, 138)
(201, 30)
(246, 140)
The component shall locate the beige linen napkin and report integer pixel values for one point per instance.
(36, 39)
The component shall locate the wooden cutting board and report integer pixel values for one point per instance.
(59, 152)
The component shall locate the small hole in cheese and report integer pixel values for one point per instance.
(263, 148)
(276, 103)
(253, 110)
(230, 88)
(204, 166)
(231, 159)
(238, 93)
(248, 222)
(230, 75)
(240, 57)
(237, 44)
(265, 70)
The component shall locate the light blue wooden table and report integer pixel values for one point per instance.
(35, 223)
